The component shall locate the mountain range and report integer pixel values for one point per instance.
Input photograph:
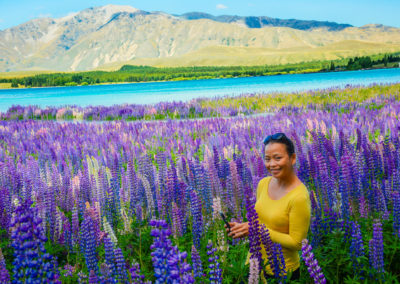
(109, 36)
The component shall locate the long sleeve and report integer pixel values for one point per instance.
(299, 222)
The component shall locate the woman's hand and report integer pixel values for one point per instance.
(238, 230)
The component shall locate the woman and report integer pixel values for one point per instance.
(283, 203)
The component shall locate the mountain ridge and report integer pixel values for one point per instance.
(100, 36)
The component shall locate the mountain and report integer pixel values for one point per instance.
(260, 22)
(109, 36)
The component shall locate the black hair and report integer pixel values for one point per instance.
(282, 140)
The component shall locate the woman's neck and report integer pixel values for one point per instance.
(287, 181)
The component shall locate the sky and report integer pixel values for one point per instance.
(354, 12)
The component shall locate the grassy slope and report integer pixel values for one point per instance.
(250, 56)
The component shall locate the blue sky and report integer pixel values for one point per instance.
(354, 12)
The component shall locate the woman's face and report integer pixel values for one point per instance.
(277, 160)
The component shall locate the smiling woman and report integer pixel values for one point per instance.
(283, 204)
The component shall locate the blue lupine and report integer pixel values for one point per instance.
(169, 263)
(197, 265)
(31, 262)
(376, 250)
(396, 214)
(120, 266)
(356, 247)
(215, 272)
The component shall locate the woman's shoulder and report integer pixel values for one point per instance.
(302, 193)
(262, 184)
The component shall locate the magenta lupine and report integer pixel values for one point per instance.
(311, 263)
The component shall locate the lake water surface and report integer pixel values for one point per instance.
(148, 93)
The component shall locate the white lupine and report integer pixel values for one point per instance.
(217, 208)
(109, 231)
(254, 271)
(127, 222)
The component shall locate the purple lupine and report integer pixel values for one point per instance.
(136, 277)
(396, 213)
(254, 228)
(4, 275)
(215, 272)
(274, 254)
(197, 265)
(88, 243)
(31, 262)
(169, 263)
(69, 270)
(197, 219)
(311, 263)
(93, 279)
(376, 259)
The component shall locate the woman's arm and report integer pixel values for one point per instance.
(299, 222)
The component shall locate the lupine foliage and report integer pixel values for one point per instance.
(96, 187)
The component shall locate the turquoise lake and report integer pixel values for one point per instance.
(149, 93)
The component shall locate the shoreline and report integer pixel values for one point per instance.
(194, 79)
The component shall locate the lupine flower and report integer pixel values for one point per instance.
(31, 262)
(93, 279)
(88, 243)
(169, 263)
(4, 275)
(396, 213)
(69, 270)
(197, 219)
(215, 272)
(197, 265)
(356, 247)
(311, 263)
(136, 277)
(120, 266)
(376, 250)
(254, 271)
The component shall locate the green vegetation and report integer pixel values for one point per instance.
(363, 62)
(129, 73)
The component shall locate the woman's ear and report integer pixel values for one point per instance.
(293, 159)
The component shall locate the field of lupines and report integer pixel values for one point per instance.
(120, 202)
(247, 104)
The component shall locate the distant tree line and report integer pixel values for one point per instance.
(129, 73)
(363, 62)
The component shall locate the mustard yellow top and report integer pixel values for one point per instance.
(287, 220)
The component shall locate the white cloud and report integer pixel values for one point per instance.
(221, 7)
